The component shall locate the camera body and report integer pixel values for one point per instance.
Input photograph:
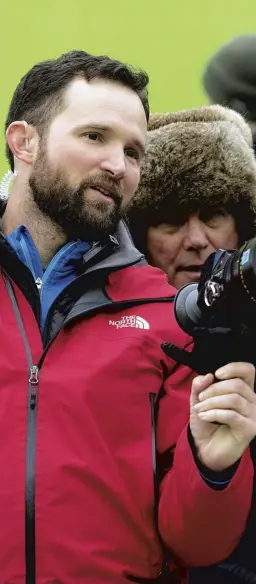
(226, 294)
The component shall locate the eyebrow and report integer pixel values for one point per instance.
(137, 143)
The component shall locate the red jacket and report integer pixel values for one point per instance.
(76, 488)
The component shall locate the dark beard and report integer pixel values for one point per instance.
(78, 217)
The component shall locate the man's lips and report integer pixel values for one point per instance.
(106, 191)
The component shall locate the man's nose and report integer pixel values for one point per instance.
(196, 235)
(114, 163)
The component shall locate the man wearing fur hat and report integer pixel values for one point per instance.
(198, 193)
(197, 190)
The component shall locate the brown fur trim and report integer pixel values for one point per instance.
(207, 114)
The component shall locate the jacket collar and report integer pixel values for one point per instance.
(121, 252)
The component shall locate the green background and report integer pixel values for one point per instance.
(170, 39)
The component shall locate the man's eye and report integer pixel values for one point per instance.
(132, 153)
(92, 136)
(212, 214)
(170, 228)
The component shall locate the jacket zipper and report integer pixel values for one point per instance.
(30, 477)
(33, 380)
(39, 283)
(33, 374)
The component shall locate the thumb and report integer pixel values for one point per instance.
(200, 383)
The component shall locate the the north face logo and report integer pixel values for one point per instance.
(130, 321)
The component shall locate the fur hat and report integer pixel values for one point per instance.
(195, 158)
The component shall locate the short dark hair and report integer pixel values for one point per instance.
(38, 97)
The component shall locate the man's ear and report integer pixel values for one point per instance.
(22, 141)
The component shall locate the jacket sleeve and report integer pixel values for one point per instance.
(199, 524)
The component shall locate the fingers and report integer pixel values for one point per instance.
(244, 371)
(229, 386)
(232, 401)
(200, 384)
(234, 378)
(227, 417)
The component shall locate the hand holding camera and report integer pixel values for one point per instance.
(223, 414)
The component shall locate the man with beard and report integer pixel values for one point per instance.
(82, 370)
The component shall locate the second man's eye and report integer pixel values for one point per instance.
(212, 213)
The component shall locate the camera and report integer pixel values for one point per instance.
(225, 296)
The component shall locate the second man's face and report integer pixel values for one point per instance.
(181, 250)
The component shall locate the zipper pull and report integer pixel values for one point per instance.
(33, 380)
(39, 283)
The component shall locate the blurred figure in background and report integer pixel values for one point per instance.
(230, 78)
(198, 193)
